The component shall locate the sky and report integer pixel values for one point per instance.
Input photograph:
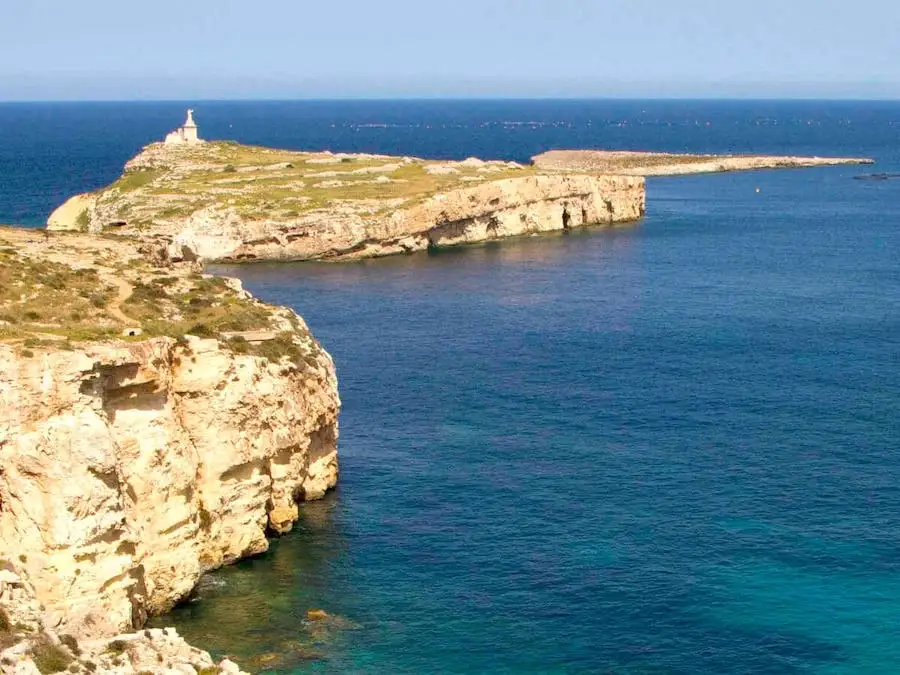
(225, 49)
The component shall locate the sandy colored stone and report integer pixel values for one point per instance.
(669, 164)
(30, 636)
(207, 208)
(66, 216)
(128, 468)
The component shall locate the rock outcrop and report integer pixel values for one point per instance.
(131, 466)
(128, 470)
(493, 210)
(29, 646)
(626, 163)
(226, 202)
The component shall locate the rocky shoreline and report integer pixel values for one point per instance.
(224, 202)
(626, 163)
(155, 423)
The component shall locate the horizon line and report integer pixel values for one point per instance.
(422, 98)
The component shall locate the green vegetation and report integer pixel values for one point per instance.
(277, 350)
(50, 657)
(117, 647)
(49, 306)
(72, 644)
(269, 183)
(134, 180)
(83, 221)
(39, 295)
(199, 306)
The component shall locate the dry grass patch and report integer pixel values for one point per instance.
(37, 295)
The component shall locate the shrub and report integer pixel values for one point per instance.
(239, 345)
(70, 642)
(50, 657)
(117, 647)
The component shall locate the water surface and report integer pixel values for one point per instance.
(668, 448)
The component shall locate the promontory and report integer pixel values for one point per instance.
(223, 202)
(156, 422)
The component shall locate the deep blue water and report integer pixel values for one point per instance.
(666, 448)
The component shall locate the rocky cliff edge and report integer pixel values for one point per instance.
(227, 202)
(155, 423)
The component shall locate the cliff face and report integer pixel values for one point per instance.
(128, 470)
(130, 466)
(225, 202)
(31, 646)
(494, 210)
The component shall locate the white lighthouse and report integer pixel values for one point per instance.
(187, 133)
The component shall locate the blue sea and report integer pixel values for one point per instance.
(667, 448)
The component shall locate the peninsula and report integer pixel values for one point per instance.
(223, 202)
(625, 163)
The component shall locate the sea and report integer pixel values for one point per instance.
(671, 447)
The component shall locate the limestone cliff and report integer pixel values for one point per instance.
(131, 465)
(31, 646)
(226, 202)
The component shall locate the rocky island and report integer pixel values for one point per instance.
(224, 202)
(155, 423)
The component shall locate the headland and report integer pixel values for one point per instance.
(155, 423)
(220, 201)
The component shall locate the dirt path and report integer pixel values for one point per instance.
(114, 308)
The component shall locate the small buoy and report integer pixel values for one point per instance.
(757, 190)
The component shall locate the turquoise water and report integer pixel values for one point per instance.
(667, 448)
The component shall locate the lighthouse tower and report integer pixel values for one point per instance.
(186, 133)
(190, 128)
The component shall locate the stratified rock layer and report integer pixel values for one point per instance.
(128, 470)
(226, 202)
(129, 467)
(494, 210)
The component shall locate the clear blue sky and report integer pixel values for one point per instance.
(195, 49)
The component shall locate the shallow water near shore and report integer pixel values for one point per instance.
(666, 448)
